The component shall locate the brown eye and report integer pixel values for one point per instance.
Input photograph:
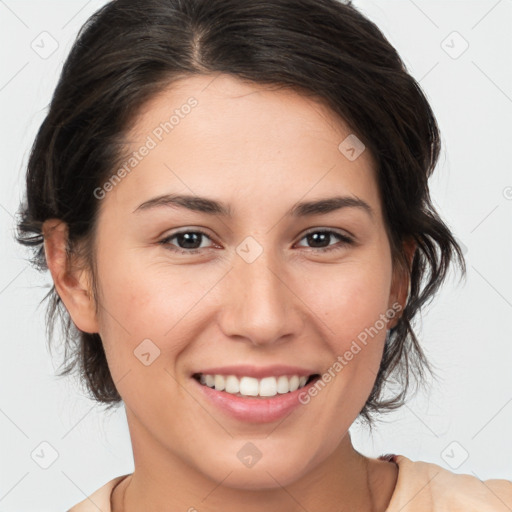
(188, 242)
(319, 238)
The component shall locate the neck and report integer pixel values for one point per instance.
(344, 480)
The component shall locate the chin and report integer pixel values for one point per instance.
(275, 472)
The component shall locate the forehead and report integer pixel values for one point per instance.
(274, 111)
(213, 134)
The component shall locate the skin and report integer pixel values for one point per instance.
(260, 150)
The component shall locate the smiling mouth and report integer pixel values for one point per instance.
(250, 387)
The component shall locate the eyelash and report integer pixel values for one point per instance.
(344, 240)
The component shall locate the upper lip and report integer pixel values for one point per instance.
(258, 372)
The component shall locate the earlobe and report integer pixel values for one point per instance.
(72, 286)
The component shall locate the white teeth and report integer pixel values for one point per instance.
(268, 386)
(232, 384)
(283, 384)
(294, 383)
(219, 382)
(249, 386)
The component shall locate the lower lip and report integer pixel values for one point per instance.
(255, 410)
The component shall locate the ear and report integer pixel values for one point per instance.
(72, 286)
(400, 283)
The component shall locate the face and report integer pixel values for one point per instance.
(187, 288)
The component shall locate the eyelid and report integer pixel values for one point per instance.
(165, 241)
(344, 238)
(344, 241)
(341, 232)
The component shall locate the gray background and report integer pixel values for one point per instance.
(462, 423)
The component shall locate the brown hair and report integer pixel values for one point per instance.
(128, 51)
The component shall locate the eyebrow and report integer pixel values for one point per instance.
(213, 207)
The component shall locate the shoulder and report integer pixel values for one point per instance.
(427, 487)
(99, 499)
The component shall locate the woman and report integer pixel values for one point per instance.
(232, 200)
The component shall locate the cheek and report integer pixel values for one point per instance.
(152, 310)
(353, 299)
(350, 306)
(137, 304)
(142, 295)
(354, 310)
(140, 316)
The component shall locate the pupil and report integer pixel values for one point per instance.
(316, 236)
(188, 238)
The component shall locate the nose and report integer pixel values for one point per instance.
(260, 305)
